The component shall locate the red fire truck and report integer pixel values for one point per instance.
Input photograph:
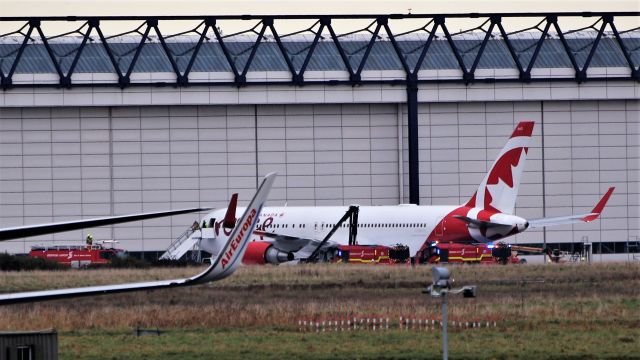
(499, 253)
(371, 254)
(77, 256)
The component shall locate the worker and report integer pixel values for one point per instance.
(204, 224)
(89, 239)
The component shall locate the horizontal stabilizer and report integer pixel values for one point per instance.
(480, 223)
(572, 219)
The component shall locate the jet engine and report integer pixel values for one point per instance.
(262, 252)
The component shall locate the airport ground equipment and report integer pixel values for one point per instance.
(191, 238)
(441, 285)
(188, 240)
(372, 254)
(78, 256)
(496, 253)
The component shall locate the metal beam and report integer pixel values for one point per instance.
(468, 75)
(412, 127)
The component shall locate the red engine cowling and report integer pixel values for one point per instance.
(262, 252)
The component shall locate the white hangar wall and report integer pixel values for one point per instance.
(81, 155)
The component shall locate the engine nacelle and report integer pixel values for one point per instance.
(262, 252)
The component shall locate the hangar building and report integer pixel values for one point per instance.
(95, 125)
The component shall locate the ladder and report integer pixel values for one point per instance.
(181, 245)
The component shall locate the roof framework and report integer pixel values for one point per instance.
(263, 47)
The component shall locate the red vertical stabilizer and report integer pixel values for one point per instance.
(230, 217)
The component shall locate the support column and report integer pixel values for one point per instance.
(412, 113)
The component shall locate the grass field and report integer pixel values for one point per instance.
(546, 311)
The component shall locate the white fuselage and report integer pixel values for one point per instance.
(409, 225)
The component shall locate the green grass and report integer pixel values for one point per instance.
(560, 340)
(570, 311)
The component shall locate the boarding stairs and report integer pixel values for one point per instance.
(188, 240)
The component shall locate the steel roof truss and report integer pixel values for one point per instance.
(635, 72)
(554, 21)
(254, 48)
(466, 76)
(8, 80)
(536, 52)
(145, 35)
(423, 54)
(487, 36)
(583, 72)
(184, 79)
(167, 52)
(227, 55)
(299, 79)
(512, 52)
(343, 55)
(66, 80)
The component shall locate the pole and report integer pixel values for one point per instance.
(445, 343)
(412, 113)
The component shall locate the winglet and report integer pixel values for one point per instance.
(232, 252)
(595, 213)
(230, 217)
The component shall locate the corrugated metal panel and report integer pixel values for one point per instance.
(44, 344)
(268, 57)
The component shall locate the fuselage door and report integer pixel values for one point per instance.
(439, 231)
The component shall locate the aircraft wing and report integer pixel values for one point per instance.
(286, 242)
(562, 220)
(41, 229)
(224, 265)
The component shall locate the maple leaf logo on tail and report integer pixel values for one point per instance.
(499, 189)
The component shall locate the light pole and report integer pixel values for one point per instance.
(440, 287)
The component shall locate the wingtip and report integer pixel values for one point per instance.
(597, 210)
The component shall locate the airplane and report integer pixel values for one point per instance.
(227, 261)
(287, 233)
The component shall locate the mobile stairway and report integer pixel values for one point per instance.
(187, 241)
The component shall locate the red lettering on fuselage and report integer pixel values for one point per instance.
(238, 239)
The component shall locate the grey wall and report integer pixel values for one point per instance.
(63, 163)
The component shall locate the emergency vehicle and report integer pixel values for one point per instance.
(77, 256)
(497, 253)
(371, 254)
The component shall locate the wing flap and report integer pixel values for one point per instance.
(285, 242)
